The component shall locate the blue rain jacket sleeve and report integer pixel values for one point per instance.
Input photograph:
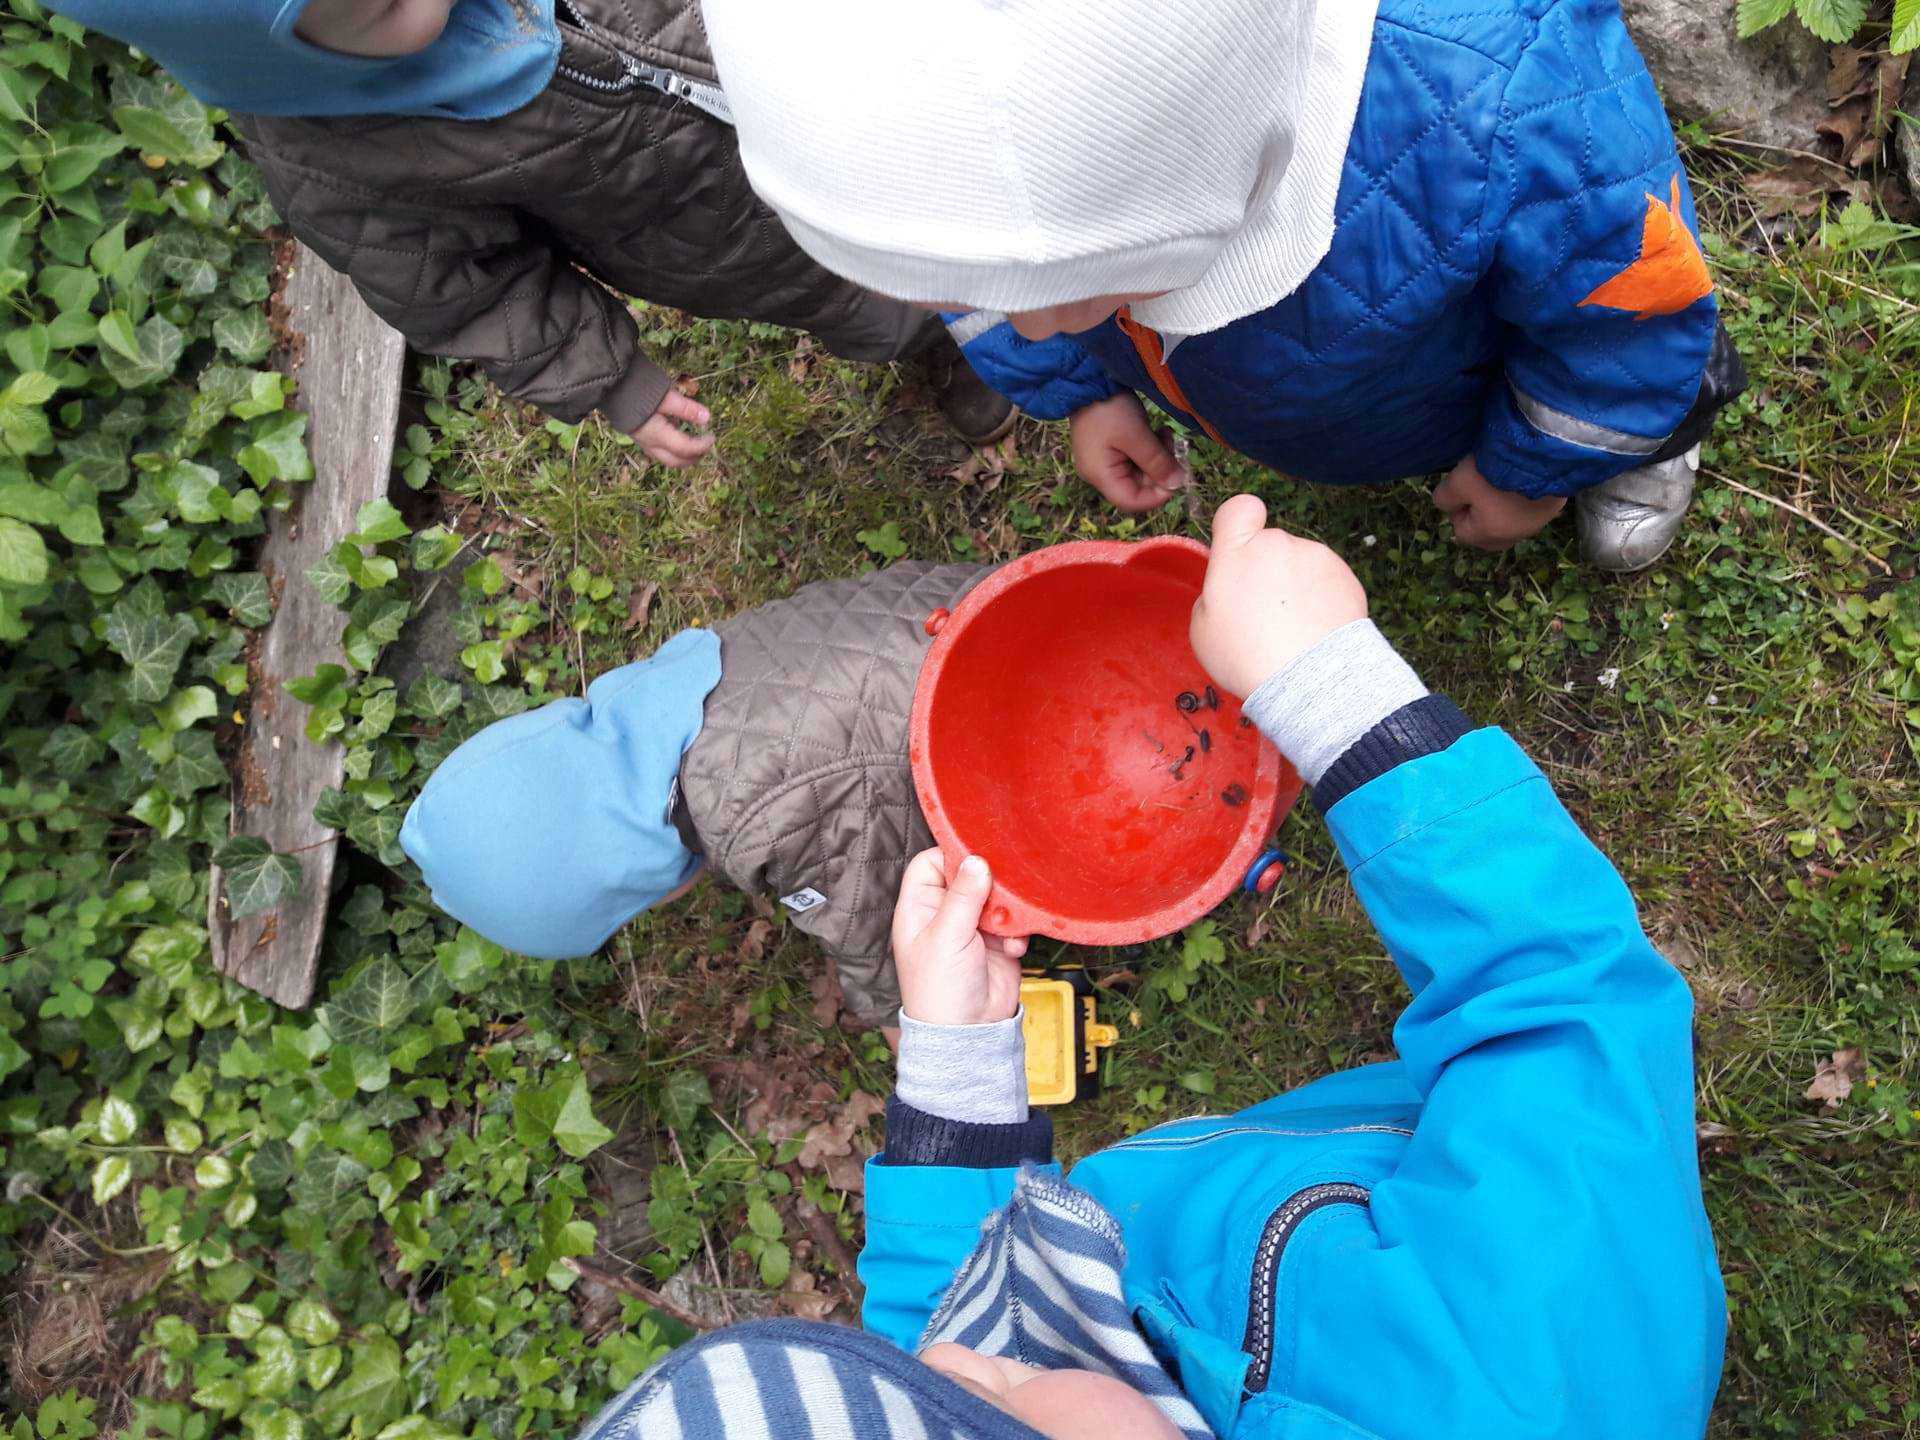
(1591, 389)
(1542, 1240)
(923, 1221)
(1049, 379)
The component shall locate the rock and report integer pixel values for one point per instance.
(429, 645)
(1770, 90)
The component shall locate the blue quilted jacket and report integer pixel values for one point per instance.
(1497, 285)
(1498, 1235)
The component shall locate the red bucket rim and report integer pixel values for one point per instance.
(1008, 912)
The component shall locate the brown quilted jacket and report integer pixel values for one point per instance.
(798, 784)
(505, 241)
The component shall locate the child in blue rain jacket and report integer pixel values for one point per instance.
(1499, 1234)
(1355, 241)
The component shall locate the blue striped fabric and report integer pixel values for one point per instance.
(798, 1380)
(1044, 1288)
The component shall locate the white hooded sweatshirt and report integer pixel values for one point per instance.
(1014, 154)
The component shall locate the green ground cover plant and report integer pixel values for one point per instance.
(470, 1194)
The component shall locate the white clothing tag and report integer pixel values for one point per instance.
(801, 901)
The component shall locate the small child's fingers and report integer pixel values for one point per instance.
(958, 922)
(685, 410)
(1236, 522)
(1007, 947)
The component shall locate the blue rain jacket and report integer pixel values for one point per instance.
(1502, 171)
(1499, 1234)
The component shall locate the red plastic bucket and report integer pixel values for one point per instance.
(1063, 728)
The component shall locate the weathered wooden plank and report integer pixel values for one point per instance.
(348, 363)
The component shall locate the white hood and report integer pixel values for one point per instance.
(1014, 155)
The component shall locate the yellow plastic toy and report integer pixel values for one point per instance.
(1064, 1040)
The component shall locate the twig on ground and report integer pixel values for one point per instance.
(1818, 524)
(719, 1278)
(646, 1294)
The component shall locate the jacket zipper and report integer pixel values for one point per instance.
(709, 98)
(1265, 1298)
(1153, 355)
(1150, 1139)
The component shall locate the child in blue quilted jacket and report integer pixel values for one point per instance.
(1356, 240)
(1498, 1235)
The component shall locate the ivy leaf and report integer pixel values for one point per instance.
(433, 698)
(257, 878)
(23, 554)
(247, 596)
(379, 522)
(117, 334)
(187, 707)
(561, 1112)
(75, 152)
(329, 576)
(682, 1097)
(574, 1129)
(374, 1392)
(243, 334)
(157, 346)
(279, 449)
(160, 117)
(469, 960)
(379, 999)
(71, 751)
(152, 646)
(330, 1183)
(196, 765)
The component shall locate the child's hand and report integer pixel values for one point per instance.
(951, 974)
(1487, 517)
(663, 441)
(1269, 598)
(1117, 452)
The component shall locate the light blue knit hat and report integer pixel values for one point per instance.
(548, 831)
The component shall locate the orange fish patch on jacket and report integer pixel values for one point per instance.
(1670, 273)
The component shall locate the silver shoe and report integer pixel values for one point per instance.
(1632, 520)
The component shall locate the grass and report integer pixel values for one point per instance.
(1737, 727)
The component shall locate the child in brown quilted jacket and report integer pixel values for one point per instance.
(497, 176)
(771, 750)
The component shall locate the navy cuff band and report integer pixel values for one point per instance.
(1426, 727)
(917, 1138)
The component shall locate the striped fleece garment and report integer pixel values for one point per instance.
(1043, 1288)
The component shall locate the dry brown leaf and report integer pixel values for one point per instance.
(1799, 187)
(640, 605)
(753, 948)
(1849, 75)
(1680, 951)
(802, 1297)
(688, 385)
(826, 997)
(1851, 128)
(1257, 931)
(1833, 1082)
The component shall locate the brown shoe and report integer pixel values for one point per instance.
(973, 409)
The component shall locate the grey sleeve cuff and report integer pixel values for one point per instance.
(1317, 705)
(975, 1074)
